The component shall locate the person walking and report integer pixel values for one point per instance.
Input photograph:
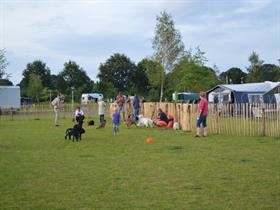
(202, 113)
(56, 105)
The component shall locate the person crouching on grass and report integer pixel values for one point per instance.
(116, 121)
(202, 113)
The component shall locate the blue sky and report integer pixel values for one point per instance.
(89, 31)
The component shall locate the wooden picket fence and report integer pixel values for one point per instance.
(228, 119)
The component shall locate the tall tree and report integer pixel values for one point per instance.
(3, 63)
(41, 70)
(120, 71)
(74, 76)
(254, 68)
(167, 44)
(190, 77)
(233, 75)
(35, 87)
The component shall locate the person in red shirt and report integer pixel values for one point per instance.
(202, 113)
(120, 100)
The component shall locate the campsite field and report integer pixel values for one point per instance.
(41, 170)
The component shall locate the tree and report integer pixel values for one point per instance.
(233, 75)
(41, 70)
(5, 82)
(73, 76)
(167, 45)
(35, 87)
(190, 77)
(254, 68)
(120, 71)
(3, 63)
(269, 72)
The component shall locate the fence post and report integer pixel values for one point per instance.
(263, 124)
(12, 113)
(189, 118)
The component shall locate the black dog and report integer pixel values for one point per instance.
(91, 123)
(76, 132)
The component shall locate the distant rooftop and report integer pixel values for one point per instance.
(252, 87)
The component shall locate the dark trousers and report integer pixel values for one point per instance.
(101, 119)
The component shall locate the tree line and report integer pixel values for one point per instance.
(171, 68)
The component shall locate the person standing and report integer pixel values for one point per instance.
(101, 112)
(120, 101)
(56, 105)
(136, 106)
(202, 113)
(116, 122)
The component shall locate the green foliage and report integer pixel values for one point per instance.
(5, 82)
(3, 63)
(259, 72)
(233, 75)
(167, 44)
(191, 77)
(35, 87)
(123, 74)
(196, 56)
(73, 76)
(254, 68)
(41, 170)
(39, 69)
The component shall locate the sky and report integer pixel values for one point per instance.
(90, 31)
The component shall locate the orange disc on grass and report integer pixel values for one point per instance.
(149, 140)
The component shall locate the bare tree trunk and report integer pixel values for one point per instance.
(161, 91)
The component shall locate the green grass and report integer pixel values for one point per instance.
(41, 170)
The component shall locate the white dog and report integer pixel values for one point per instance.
(144, 122)
(176, 126)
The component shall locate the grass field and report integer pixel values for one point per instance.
(41, 170)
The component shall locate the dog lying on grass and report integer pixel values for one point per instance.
(144, 122)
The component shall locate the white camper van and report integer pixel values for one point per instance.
(88, 98)
(9, 97)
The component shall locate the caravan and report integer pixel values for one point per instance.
(88, 98)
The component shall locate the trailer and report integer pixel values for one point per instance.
(9, 97)
(88, 98)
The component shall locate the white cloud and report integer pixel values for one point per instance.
(252, 6)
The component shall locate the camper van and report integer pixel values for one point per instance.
(88, 98)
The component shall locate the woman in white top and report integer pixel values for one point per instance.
(79, 113)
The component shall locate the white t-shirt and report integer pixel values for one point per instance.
(56, 103)
(101, 107)
(77, 113)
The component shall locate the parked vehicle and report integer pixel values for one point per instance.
(9, 97)
(88, 98)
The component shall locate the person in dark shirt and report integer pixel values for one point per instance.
(162, 119)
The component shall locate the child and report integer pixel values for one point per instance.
(116, 121)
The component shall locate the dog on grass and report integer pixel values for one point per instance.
(144, 121)
(91, 123)
(76, 132)
(131, 120)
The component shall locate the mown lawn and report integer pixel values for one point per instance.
(41, 170)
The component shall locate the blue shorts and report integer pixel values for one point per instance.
(201, 119)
